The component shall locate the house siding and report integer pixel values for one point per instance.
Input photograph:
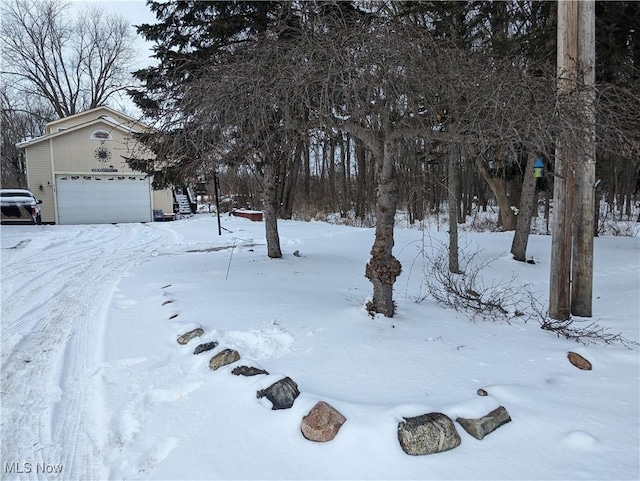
(75, 152)
(163, 199)
(39, 174)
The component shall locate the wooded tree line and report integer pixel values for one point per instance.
(368, 107)
(361, 108)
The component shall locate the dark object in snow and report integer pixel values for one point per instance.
(322, 423)
(223, 358)
(578, 361)
(296, 253)
(187, 336)
(282, 394)
(207, 346)
(531, 261)
(168, 301)
(479, 428)
(482, 392)
(248, 371)
(428, 434)
(174, 316)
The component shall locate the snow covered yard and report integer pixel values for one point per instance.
(95, 386)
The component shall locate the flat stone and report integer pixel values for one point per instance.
(282, 394)
(248, 371)
(322, 423)
(207, 346)
(227, 356)
(479, 428)
(188, 336)
(578, 361)
(428, 434)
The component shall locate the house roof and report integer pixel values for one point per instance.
(80, 114)
(102, 119)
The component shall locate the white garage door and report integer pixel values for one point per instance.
(103, 199)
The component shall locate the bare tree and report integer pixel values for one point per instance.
(73, 64)
(18, 124)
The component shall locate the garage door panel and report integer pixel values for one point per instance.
(100, 199)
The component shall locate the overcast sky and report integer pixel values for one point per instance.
(136, 12)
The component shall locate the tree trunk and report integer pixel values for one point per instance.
(270, 206)
(453, 202)
(499, 189)
(523, 219)
(361, 179)
(383, 268)
(291, 181)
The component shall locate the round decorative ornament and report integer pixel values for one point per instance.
(102, 154)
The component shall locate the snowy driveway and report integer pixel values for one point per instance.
(56, 285)
(95, 386)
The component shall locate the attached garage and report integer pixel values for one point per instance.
(79, 171)
(103, 199)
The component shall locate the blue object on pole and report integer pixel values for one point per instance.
(538, 168)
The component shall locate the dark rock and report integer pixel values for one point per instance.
(282, 394)
(322, 423)
(428, 434)
(578, 361)
(223, 358)
(248, 371)
(482, 392)
(479, 428)
(207, 346)
(187, 336)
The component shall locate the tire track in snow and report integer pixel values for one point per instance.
(50, 392)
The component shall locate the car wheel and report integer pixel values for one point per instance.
(39, 220)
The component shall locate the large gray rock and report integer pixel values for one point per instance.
(187, 336)
(224, 357)
(428, 434)
(282, 394)
(479, 428)
(322, 423)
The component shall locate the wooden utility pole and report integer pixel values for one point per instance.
(574, 168)
(584, 218)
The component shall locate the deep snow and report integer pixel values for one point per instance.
(95, 386)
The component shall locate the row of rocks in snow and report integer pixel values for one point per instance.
(426, 434)
(420, 435)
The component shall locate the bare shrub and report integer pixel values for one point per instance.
(584, 332)
(467, 292)
(501, 301)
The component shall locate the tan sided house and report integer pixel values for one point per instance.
(79, 172)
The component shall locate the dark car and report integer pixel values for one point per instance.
(19, 206)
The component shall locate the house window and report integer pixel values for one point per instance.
(101, 135)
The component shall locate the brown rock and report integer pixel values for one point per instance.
(322, 423)
(578, 361)
(187, 336)
(224, 357)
